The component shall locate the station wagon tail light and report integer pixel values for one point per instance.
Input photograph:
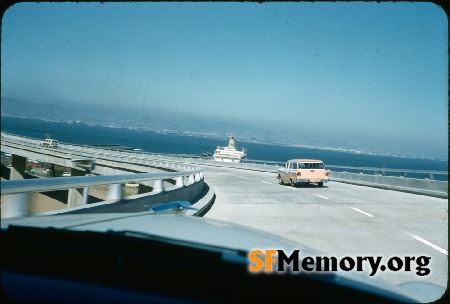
(327, 173)
(299, 173)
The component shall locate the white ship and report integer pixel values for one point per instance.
(229, 154)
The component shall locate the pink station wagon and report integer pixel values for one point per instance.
(303, 171)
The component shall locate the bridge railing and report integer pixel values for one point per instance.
(15, 196)
(407, 173)
(121, 156)
(425, 182)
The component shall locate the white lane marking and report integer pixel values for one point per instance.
(267, 183)
(429, 244)
(292, 188)
(243, 177)
(356, 209)
(321, 196)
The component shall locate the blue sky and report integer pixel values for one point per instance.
(375, 72)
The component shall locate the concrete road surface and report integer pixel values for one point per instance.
(339, 219)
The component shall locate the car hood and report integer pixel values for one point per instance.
(196, 230)
(172, 226)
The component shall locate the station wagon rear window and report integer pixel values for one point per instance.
(310, 166)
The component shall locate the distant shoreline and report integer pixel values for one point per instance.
(210, 136)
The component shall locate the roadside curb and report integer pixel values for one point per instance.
(204, 204)
(395, 188)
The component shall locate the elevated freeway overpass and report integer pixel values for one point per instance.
(343, 218)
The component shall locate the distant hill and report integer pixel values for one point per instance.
(158, 120)
(161, 121)
(149, 119)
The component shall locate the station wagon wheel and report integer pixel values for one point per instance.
(292, 183)
(280, 181)
(320, 184)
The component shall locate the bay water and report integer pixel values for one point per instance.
(168, 143)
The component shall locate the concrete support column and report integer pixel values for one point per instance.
(15, 205)
(158, 186)
(52, 170)
(17, 167)
(197, 177)
(75, 196)
(114, 192)
(180, 181)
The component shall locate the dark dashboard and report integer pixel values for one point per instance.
(47, 265)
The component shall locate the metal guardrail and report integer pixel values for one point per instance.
(64, 183)
(15, 200)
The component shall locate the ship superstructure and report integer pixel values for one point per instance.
(229, 153)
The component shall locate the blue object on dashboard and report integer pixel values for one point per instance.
(172, 207)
